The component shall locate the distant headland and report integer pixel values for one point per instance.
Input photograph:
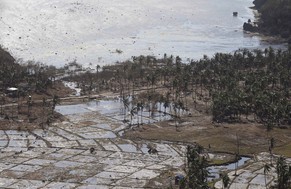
(274, 18)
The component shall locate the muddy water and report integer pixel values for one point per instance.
(57, 32)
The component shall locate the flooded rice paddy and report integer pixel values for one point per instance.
(86, 151)
(114, 108)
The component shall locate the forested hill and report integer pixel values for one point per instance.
(8, 68)
(275, 17)
(5, 57)
(35, 76)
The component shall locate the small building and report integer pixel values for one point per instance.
(12, 92)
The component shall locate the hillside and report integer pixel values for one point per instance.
(8, 69)
(275, 17)
(30, 74)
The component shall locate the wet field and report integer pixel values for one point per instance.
(87, 151)
(84, 152)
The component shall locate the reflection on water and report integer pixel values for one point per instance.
(215, 170)
(56, 32)
(116, 110)
(72, 109)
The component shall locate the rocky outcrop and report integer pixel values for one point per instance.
(250, 27)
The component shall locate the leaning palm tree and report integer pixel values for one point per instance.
(133, 111)
(55, 101)
(237, 158)
(272, 144)
(140, 106)
(267, 169)
(125, 101)
(166, 105)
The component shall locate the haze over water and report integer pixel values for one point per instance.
(57, 32)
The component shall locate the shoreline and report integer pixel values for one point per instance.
(178, 35)
(268, 39)
(265, 11)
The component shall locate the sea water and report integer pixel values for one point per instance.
(103, 32)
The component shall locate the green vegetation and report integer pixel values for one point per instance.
(28, 77)
(252, 83)
(283, 171)
(275, 17)
(246, 86)
(26, 90)
(196, 172)
(225, 180)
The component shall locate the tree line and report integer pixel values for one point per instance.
(275, 17)
(247, 85)
(29, 76)
(28, 90)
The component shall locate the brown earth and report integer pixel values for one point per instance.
(247, 138)
(17, 115)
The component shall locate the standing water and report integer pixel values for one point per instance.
(102, 32)
(216, 170)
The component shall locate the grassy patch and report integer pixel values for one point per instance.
(284, 150)
(219, 161)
